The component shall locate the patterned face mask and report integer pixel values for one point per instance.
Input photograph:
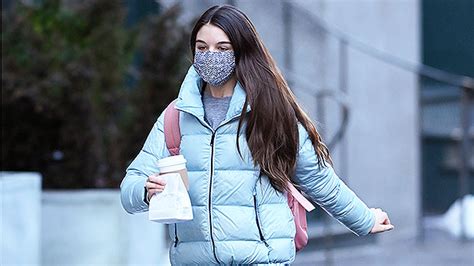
(215, 67)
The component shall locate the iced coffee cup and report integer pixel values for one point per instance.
(175, 164)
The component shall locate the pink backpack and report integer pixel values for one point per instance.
(297, 202)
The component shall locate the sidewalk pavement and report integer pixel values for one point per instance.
(439, 248)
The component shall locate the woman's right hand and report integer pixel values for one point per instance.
(154, 184)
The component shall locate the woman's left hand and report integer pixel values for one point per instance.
(382, 222)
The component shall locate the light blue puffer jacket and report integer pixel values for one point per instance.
(238, 218)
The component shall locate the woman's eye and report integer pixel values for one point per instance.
(201, 48)
(224, 48)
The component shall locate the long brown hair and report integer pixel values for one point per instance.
(272, 129)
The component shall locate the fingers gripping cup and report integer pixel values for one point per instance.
(173, 203)
(175, 164)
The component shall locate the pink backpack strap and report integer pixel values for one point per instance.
(300, 198)
(171, 128)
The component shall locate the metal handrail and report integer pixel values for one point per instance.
(421, 69)
(340, 98)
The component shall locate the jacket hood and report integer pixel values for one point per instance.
(189, 97)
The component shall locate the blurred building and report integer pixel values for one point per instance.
(448, 44)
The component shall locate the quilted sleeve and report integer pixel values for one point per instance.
(325, 188)
(132, 187)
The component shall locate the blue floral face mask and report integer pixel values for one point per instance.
(214, 67)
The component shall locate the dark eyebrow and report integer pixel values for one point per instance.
(221, 42)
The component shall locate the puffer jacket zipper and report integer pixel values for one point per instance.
(210, 191)
(211, 173)
(175, 236)
(262, 238)
(210, 184)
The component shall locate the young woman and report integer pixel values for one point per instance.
(244, 136)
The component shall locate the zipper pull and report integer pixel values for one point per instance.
(212, 140)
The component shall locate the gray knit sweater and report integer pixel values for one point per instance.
(215, 108)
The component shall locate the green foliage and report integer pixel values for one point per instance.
(66, 109)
